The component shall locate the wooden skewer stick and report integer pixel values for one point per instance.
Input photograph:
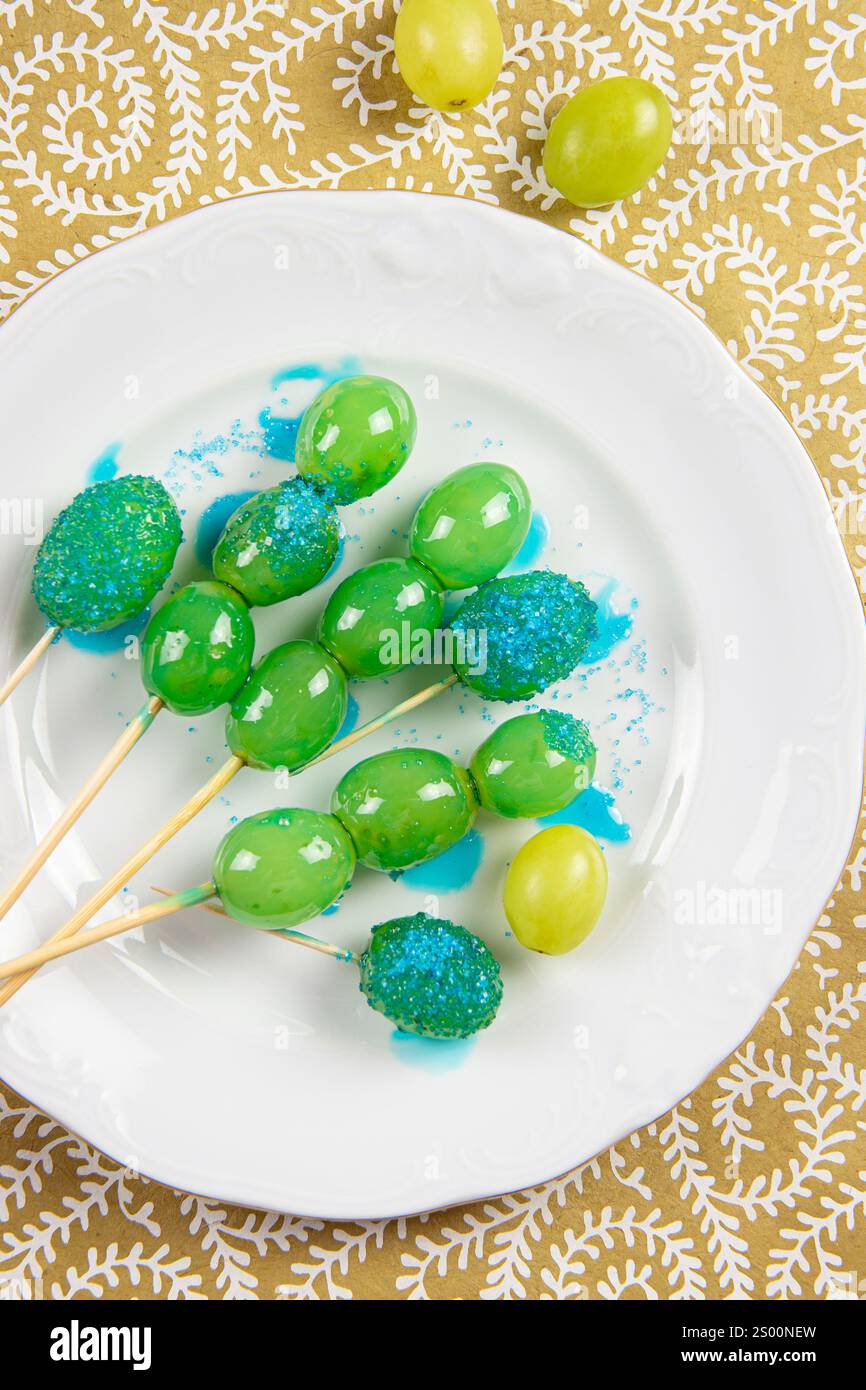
(29, 662)
(299, 938)
(373, 725)
(196, 803)
(31, 961)
(95, 782)
(113, 885)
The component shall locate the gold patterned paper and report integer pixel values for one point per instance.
(116, 114)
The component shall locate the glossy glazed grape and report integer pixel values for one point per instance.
(517, 635)
(356, 436)
(449, 51)
(608, 141)
(472, 524)
(431, 977)
(280, 868)
(278, 544)
(380, 616)
(534, 764)
(405, 806)
(107, 554)
(290, 708)
(555, 889)
(198, 648)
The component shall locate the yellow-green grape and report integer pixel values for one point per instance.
(608, 141)
(449, 51)
(555, 889)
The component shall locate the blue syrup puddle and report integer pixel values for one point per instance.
(451, 871)
(281, 431)
(533, 547)
(102, 643)
(594, 810)
(212, 521)
(613, 627)
(430, 1054)
(104, 468)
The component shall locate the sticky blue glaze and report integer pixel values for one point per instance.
(613, 627)
(594, 810)
(105, 467)
(281, 431)
(533, 547)
(280, 434)
(112, 640)
(430, 1054)
(212, 521)
(351, 719)
(448, 872)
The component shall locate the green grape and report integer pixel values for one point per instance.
(471, 524)
(555, 889)
(449, 51)
(608, 141)
(197, 650)
(280, 868)
(280, 543)
(534, 764)
(405, 806)
(290, 708)
(373, 619)
(355, 436)
(107, 554)
(431, 977)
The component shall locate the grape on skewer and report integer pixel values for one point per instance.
(532, 627)
(278, 869)
(427, 976)
(198, 648)
(102, 560)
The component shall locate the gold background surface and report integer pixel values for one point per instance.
(115, 114)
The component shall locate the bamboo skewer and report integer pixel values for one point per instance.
(113, 885)
(327, 948)
(373, 725)
(196, 803)
(95, 782)
(29, 662)
(31, 961)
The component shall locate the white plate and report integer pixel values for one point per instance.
(221, 1060)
